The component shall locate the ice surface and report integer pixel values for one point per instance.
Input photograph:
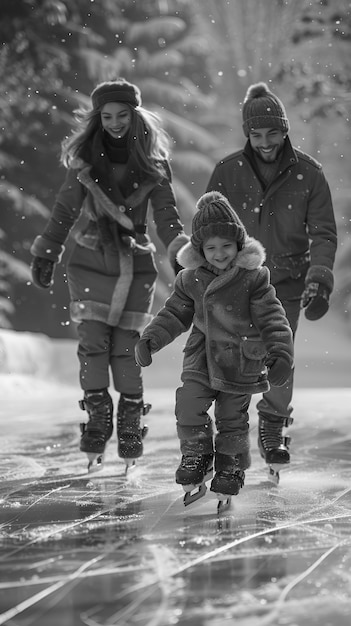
(105, 549)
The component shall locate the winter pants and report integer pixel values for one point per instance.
(102, 347)
(194, 425)
(277, 401)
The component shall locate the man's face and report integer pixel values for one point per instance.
(267, 143)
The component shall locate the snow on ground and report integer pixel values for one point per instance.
(28, 361)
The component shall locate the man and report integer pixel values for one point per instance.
(284, 201)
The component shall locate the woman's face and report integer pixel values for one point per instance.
(116, 119)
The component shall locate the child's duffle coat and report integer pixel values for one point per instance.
(238, 322)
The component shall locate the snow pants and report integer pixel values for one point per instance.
(103, 348)
(194, 425)
(276, 402)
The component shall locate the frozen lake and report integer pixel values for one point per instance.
(105, 549)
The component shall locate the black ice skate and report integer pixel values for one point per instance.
(130, 429)
(273, 446)
(193, 473)
(228, 479)
(98, 430)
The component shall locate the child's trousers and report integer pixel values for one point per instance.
(102, 347)
(194, 425)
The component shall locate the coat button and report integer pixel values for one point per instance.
(122, 208)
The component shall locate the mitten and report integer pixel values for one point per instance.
(143, 353)
(42, 272)
(315, 300)
(279, 371)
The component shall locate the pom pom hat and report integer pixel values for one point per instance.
(216, 218)
(116, 91)
(262, 109)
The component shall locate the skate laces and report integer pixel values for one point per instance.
(271, 434)
(191, 462)
(129, 414)
(232, 475)
(100, 410)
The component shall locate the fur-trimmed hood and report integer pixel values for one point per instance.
(251, 257)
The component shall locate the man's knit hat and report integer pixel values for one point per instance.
(216, 218)
(116, 91)
(262, 109)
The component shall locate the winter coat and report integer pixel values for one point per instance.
(111, 270)
(238, 322)
(293, 217)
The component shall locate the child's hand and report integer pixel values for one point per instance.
(143, 353)
(279, 371)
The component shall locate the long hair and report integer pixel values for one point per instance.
(148, 142)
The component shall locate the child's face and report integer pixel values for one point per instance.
(220, 252)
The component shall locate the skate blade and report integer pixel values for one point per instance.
(129, 464)
(224, 501)
(189, 497)
(95, 461)
(274, 471)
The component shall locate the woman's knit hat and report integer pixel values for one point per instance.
(216, 218)
(262, 109)
(116, 91)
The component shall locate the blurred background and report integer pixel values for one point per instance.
(193, 62)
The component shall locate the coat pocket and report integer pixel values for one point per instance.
(194, 350)
(252, 357)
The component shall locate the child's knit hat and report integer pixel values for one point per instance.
(118, 90)
(216, 218)
(262, 109)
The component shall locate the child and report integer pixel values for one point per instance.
(240, 339)
(116, 160)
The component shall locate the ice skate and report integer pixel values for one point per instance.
(98, 430)
(228, 479)
(273, 446)
(193, 473)
(131, 429)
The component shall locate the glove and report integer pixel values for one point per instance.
(315, 300)
(279, 371)
(42, 272)
(143, 353)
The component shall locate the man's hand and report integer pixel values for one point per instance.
(315, 301)
(143, 353)
(42, 272)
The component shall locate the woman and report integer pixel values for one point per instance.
(116, 160)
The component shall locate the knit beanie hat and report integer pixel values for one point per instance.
(262, 109)
(216, 218)
(116, 91)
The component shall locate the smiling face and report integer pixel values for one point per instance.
(220, 252)
(267, 143)
(116, 119)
